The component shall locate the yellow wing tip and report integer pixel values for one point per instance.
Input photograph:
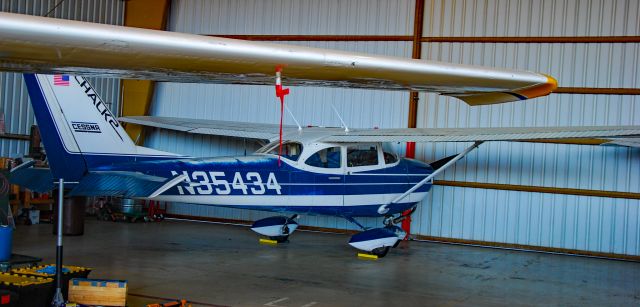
(552, 82)
(533, 91)
(539, 90)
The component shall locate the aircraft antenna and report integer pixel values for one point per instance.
(294, 118)
(346, 129)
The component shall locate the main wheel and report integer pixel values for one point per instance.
(280, 239)
(380, 251)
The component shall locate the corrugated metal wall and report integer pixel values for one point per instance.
(598, 224)
(571, 222)
(14, 100)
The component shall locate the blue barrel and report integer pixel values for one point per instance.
(5, 242)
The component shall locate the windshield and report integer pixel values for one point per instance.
(290, 150)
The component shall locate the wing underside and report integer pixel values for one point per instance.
(483, 134)
(211, 127)
(610, 135)
(47, 45)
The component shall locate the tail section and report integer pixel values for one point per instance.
(78, 129)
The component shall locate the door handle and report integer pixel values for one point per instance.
(335, 178)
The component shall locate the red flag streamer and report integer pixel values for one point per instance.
(280, 93)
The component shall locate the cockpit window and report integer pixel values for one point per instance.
(290, 150)
(325, 158)
(362, 155)
(389, 158)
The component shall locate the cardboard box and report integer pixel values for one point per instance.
(98, 292)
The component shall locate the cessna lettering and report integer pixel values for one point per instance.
(85, 127)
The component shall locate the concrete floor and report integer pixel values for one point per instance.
(224, 265)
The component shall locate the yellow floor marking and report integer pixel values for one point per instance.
(367, 256)
(267, 241)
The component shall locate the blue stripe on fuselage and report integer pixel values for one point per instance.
(254, 171)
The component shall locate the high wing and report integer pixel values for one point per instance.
(629, 142)
(47, 45)
(267, 132)
(614, 135)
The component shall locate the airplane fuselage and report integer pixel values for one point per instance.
(258, 182)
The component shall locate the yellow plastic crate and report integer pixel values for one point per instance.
(17, 280)
(32, 291)
(33, 271)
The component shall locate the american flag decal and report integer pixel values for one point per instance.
(62, 80)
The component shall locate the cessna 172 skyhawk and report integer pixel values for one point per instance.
(327, 171)
(323, 170)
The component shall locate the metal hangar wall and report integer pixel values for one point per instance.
(558, 197)
(14, 100)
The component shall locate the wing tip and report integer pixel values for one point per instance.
(541, 89)
(485, 98)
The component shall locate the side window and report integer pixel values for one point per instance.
(362, 155)
(390, 158)
(325, 158)
(290, 150)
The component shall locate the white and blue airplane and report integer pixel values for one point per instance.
(322, 171)
(328, 171)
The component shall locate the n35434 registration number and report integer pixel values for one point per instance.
(221, 183)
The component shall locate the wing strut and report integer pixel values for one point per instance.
(384, 208)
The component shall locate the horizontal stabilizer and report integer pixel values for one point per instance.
(35, 179)
(120, 183)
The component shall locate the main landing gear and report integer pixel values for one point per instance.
(378, 241)
(277, 228)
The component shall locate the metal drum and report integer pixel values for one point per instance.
(128, 206)
(73, 216)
